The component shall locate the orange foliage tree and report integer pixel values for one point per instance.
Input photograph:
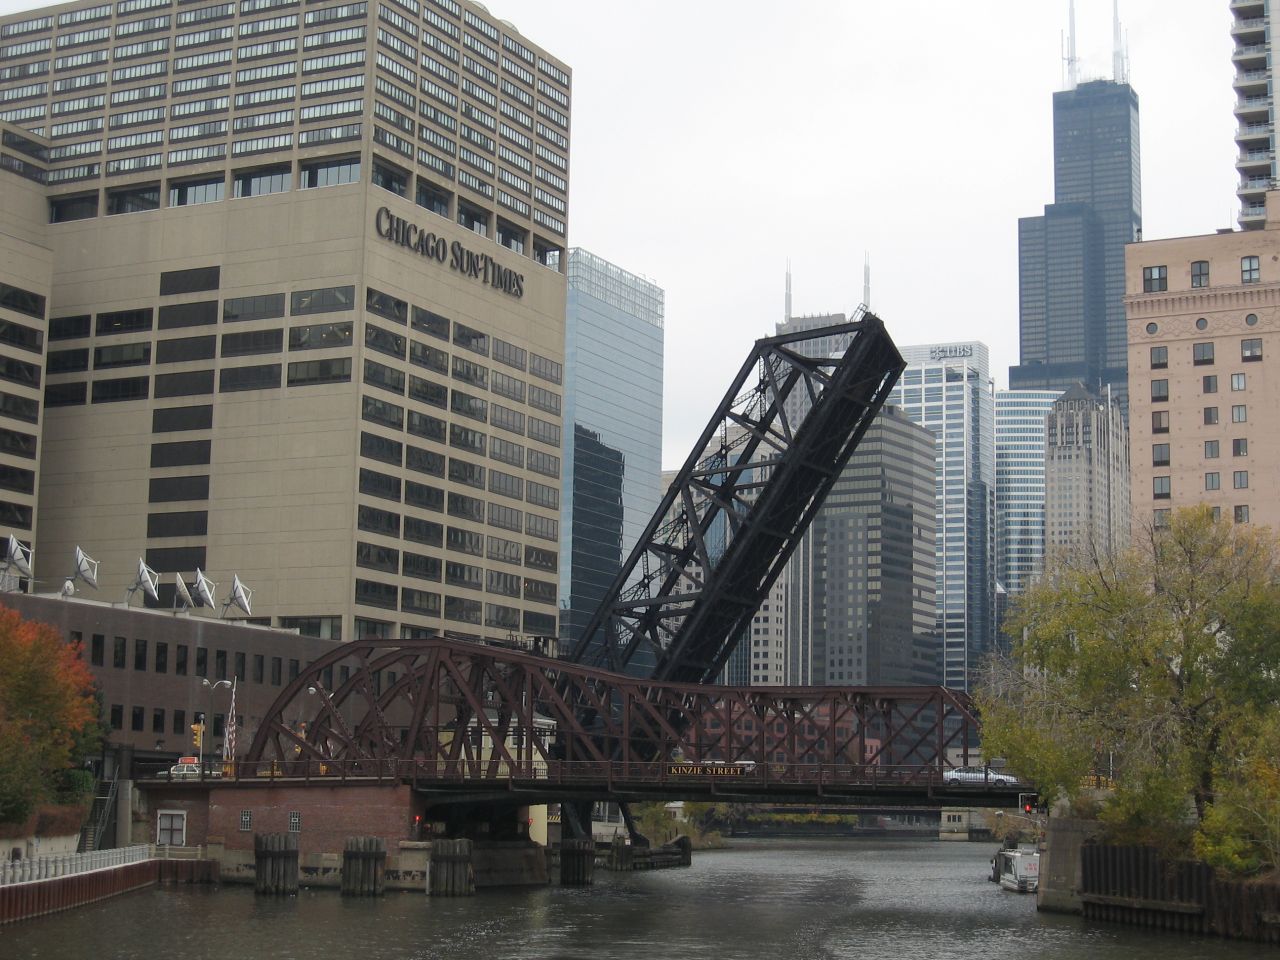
(47, 709)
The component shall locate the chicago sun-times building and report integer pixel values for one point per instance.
(283, 291)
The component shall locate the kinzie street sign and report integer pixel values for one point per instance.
(481, 266)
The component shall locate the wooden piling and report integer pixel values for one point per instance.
(275, 862)
(577, 862)
(364, 862)
(451, 873)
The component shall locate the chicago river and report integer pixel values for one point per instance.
(792, 900)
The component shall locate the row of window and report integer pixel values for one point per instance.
(1239, 513)
(1239, 448)
(424, 603)
(156, 658)
(1155, 279)
(1203, 354)
(1239, 414)
(1162, 489)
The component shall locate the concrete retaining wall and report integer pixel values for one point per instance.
(1060, 878)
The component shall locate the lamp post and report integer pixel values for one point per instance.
(210, 687)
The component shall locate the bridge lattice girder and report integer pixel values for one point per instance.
(448, 708)
(739, 505)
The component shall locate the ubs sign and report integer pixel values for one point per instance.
(951, 352)
(455, 256)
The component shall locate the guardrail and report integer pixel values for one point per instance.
(68, 864)
(540, 772)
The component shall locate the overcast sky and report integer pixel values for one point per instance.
(713, 140)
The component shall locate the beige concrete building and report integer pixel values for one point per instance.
(305, 304)
(1203, 314)
(1086, 466)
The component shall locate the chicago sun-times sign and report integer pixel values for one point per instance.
(478, 266)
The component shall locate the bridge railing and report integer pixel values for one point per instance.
(606, 773)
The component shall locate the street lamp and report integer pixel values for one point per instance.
(210, 687)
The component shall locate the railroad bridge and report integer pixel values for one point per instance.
(467, 722)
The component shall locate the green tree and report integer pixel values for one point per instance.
(1141, 665)
(47, 710)
(1240, 832)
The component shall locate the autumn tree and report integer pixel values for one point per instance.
(47, 710)
(1144, 665)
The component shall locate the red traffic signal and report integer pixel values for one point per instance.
(1028, 802)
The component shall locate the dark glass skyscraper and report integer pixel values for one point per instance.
(1071, 258)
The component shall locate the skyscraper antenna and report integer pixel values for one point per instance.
(866, 280)
(1073, 65)
(1118, 71)
(787, 318)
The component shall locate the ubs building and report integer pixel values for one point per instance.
(947, 388)
(302, 306)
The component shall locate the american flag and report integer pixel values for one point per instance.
(229, 741)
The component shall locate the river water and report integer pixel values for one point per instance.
(802, 900)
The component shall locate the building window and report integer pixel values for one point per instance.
(196, 191)
(1211, 481)
(132, 199)
(1209, 383)
(1202, 324)
(1159, 358)
(1210, 416)
(1211, 449)
(329, 173)
(1160, 455)
(433, 198)
(1240, 479)
(1250, 270)
(1251, 349)
(389, 178)
(1155, 279)
(1202, 353)
(295, 821)
(1251, 320)
(1239, 413)
(1240, 447)
(246, 821)
(1242, 513)
(1160, 488)
(1159, 391)
(257, 183)
(1237, 381)
(1199, 273)
(1160, 421)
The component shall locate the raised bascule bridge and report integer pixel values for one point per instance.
(631, 712)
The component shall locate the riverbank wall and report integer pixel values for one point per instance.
(38, 898)
(1138, 887)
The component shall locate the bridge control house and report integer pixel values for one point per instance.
(282, 297)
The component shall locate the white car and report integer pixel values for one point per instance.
(995, 778)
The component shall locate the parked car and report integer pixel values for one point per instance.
(996, 778)
(189, 771)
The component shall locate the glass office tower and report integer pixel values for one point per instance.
(1020, 490)
(947, 388)
(613, 427)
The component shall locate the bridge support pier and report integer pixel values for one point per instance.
(451, 874)
(577, 862)
(275, 859)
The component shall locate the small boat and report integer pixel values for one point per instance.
(1018, 870)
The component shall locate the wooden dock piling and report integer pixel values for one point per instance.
(275, 860)
(364, 862)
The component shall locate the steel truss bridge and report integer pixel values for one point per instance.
(631, 711)
(472, 722)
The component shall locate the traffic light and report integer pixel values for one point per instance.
(197, 734)
(1028, 802)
